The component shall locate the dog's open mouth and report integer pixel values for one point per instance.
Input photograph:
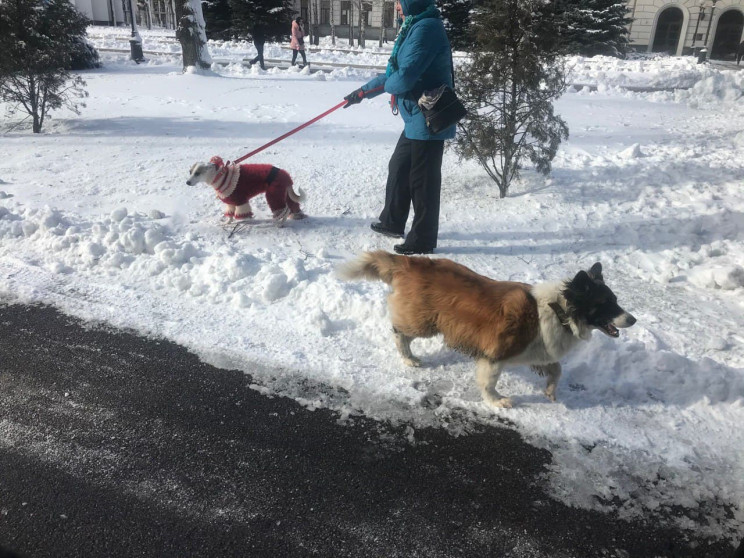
(610, 330)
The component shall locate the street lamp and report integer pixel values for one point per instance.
(701, 17)
(707, 32)
(697, 50)
(135, 42)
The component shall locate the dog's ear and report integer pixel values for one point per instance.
(595, 272)
(191, 170)
(581, 282)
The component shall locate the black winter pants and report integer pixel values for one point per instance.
(260, 50)
(294, 56)
(414, 178)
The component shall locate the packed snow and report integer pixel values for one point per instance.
(96, 218)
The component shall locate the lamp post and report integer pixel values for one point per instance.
(135, 42)
(701, 17)
(710, 21)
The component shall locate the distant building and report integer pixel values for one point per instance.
(681, 27)
(672, 27)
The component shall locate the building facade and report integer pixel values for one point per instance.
(675, 27)
(682, 27)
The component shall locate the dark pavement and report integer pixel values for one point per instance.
(116, 445)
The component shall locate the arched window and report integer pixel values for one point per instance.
(668, 29)
(728, 35)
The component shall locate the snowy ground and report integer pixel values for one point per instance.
(96, 219)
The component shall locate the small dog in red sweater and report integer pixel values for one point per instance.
(237, 184)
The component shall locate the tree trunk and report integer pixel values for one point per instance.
(351, 23)
(382, 23)
(190, 33)
(310, 22)
(316, 19)
(333, 26)
(148, 13)
(361, 24)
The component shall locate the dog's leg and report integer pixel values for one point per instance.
(280, 216)
(553, 372)
(487, 373)
(403, 342)
(244, 211)
(229, 211)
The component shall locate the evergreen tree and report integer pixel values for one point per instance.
(190, 32)
(218, 19)
(456, 16)
(39, 40)
(508, 88)
(84, 55)
(591, 27)
(273, 16)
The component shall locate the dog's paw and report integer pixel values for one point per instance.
(243, 216)
(550, 395)
(498, 400)
(503, 403)
(413, 362)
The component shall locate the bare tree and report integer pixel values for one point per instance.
(382, 22)
(191, 34)
(351, 23)
(362, 22)
(314, 18)
(148, 13)
(333, 24)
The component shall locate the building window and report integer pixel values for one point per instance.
(345, 7)
(325, 11)
(366, 10)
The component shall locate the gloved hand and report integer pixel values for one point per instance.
(354, 97)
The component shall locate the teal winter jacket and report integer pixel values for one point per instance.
(424, 63)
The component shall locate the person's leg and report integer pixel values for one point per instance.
(397, 190)
(304, 58)
(260, 49)
(294, 56)
(426, 184)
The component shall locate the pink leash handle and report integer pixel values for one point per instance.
(305, 125)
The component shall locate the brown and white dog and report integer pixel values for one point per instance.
(499, 323)
(237, 184)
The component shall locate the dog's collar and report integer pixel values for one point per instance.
(562, 316)
(226, 180)
(220, 173)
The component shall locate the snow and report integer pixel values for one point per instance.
(96, 219)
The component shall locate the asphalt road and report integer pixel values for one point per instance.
(116, 445)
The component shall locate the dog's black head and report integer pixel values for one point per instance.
(591, 301)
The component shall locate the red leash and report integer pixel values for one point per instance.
(305, 125)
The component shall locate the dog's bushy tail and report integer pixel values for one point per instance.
(298, 196)
(378, 265)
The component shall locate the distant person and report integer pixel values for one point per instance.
(298, 41)
(740, 53)
(259, 39)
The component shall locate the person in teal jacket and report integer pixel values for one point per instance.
(421, 60)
